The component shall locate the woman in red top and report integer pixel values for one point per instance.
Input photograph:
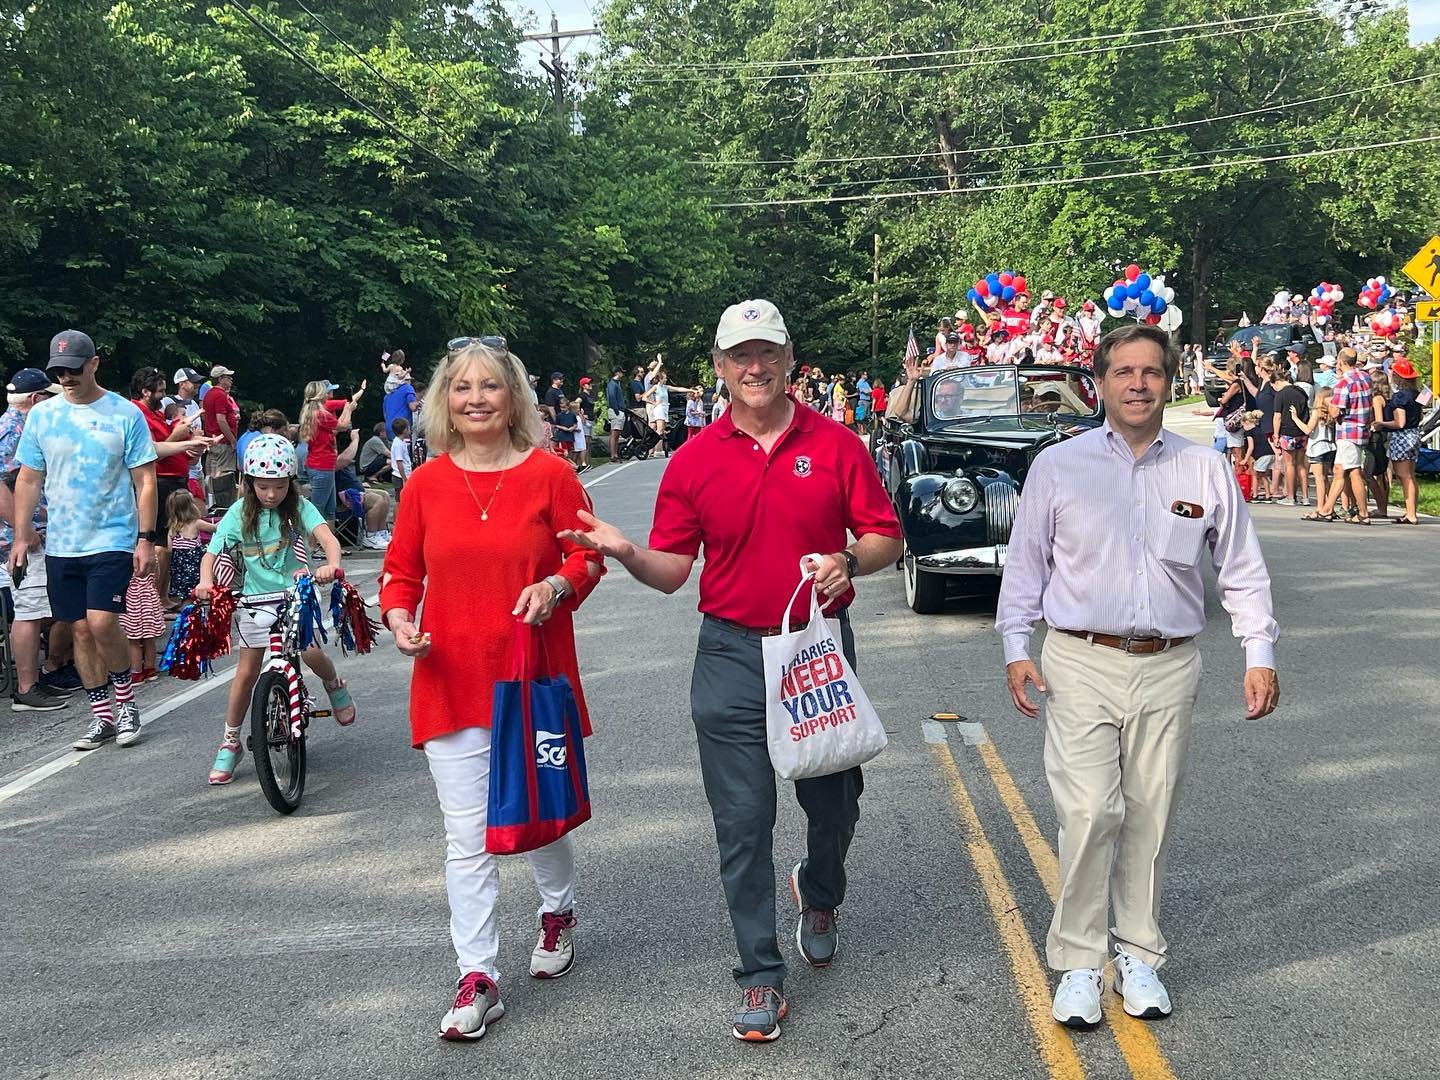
(476, 540)
(320, 419)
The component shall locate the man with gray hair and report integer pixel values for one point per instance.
(1107, 549)
(764, 486)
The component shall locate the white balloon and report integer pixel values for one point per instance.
(1169, 295)
(1115, 313)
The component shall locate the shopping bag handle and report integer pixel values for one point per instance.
(528, 640)
(807, 576)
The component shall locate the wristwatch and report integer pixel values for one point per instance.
(560, 586)
(147, 534)
(852, 564)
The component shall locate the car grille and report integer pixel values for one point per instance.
(1002, 502)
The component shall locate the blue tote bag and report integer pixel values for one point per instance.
(538, 787)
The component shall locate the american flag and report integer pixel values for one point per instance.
(912, 347)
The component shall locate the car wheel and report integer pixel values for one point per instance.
(924, 591)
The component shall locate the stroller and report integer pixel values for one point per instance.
(637, 438)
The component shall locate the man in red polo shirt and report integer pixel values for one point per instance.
(222, 419)
(759, 489)
(175, 447)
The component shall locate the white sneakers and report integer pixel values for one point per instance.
(376, 541)
(477, 1006)
(1077, 998)
(1137, 983)
(555, 951)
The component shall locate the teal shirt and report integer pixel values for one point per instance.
(86, 453)
(270, 561)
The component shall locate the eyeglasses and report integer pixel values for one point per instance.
(492, 341)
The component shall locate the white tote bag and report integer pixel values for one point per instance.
(818, 720)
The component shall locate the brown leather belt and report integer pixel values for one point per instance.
(766, 631)
(1135, 646)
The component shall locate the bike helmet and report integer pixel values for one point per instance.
(270, 457)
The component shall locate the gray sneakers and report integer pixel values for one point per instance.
(97, 735)
(758, 1018)
(37, 699)
(127, 723)
(816, 936)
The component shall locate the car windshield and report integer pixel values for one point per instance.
(1009, 391)
(1271, 336)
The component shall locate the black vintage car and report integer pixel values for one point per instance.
(955, 468)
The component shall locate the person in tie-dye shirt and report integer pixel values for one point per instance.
(90, 452)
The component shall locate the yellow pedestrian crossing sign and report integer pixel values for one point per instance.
(1424, 268)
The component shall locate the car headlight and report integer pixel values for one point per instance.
(960, 495)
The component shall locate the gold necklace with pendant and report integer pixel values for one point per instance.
(484, 510)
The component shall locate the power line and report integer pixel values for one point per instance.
(1027, 58)
(376, 71)
(388, 123)
(1009, 47)
(394, 24)
(1062, 181)
(1082, 138)
(1002, 172)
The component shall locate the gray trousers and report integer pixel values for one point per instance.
(727, 702)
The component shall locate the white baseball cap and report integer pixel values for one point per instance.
(751, 320)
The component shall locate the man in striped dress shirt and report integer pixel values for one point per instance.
(1107, 549)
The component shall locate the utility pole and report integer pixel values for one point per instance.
(555, 66)
(875, 309)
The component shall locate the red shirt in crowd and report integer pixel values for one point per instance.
(469, 574)
(880, 398)
(177, 465)
(322, 455)
(218, 403)
(757, 515)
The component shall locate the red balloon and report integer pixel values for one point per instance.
(1132, 272)
(1007, 279)
(1019, 283)
(982, 287)
(1153, 320)
(1119, 283)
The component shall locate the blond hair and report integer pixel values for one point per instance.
(316, 394)
(500, 364)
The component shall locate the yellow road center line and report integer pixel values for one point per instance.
(1136, 1042)
(1056, 1048)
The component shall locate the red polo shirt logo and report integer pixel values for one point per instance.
(802, 466)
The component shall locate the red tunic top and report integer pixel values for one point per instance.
(470, 573)
(758, 514)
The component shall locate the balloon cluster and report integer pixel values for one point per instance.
(1384, 323)
(996, 288)
(1323, 299)
(1138, 295)
(1374, 293)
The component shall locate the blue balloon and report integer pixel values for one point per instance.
(1133, 290)
(1147, 298)
(993, 280)
(973, 296)
(1007, 293)
(1143, 281)
(1159, 306)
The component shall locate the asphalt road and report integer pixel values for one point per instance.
(157, 928)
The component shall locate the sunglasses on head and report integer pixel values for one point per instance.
(492, 341)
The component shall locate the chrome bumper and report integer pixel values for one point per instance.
(980, 560)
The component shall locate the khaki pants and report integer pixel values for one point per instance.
(1117, 728)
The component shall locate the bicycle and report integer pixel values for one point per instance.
(280, 706)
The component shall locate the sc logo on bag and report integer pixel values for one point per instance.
(550, 750)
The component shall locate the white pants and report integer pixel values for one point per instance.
(460, 765)
(1117, 732)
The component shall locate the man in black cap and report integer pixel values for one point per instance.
(91, 453)
(555, 396)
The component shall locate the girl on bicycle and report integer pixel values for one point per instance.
(260, 532)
